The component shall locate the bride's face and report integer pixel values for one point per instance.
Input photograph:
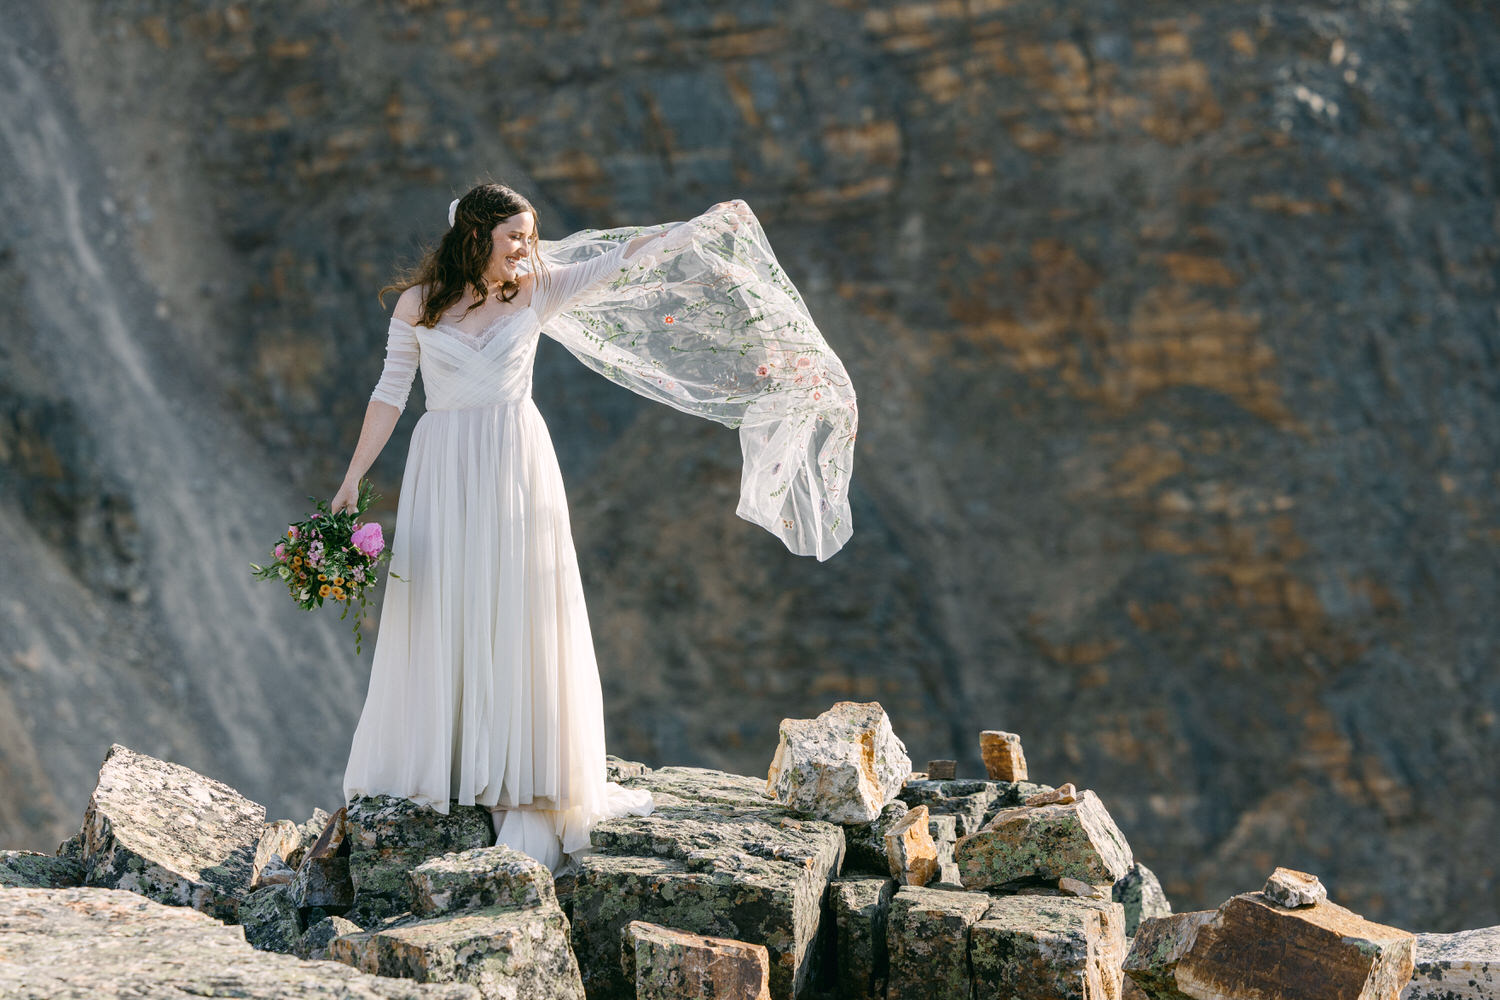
(511, 238)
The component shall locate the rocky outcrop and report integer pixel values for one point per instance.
(113, 944)
(1252, 946)
(1462, 966)
(666, 964)
(33, 870)
(167, 832)
(388, 837)
(927, 933)
(1037, 947)
(843, 766)
(1140, 892)
(860, 906)
(1073, 839)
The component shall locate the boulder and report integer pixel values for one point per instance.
(1045, 843)
(314, 942)
(277, 839)
(927, 938)
(87, 942)
(503, 951)
(617, 769)
(389, 836)
(1291, 888)
(1252, 947)
(860, 908)
(910, 849)
(1139, 891)
(479, 878)
(1461, 966)
(1060, 795)
(865, 842)
(323, 883)
(275, 872)
(940, 770)
(270, 919)
(1003, 759)
(716, 858)
(668, 964)
(169, 833)
(31, 870)
(1038, 947)
(843, 766)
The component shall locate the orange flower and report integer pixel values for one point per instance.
(324, 590)
(296, 560)
(322, 576)
(338, 581)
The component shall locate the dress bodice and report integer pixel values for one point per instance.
(493, 366)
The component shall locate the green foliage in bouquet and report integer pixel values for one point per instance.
(330, 556)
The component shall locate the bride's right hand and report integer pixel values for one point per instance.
(347, 498)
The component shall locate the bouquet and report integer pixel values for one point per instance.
(330, 556)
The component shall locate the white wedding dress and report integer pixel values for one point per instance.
(484, 688)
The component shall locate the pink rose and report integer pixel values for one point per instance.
(368, 539)
(280, 551)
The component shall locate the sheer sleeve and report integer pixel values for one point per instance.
(703, 319)
(401, 358)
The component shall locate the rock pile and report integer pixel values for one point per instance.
(834, 877)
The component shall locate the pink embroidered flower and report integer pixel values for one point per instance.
(368, 539)
(817, 395)
(762, 370)
(804, 362)
(668, 319)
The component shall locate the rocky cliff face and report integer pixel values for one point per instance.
(1173, 327)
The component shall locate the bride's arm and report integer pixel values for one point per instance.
(386, 403)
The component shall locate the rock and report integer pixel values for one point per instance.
(479, 878)
(972, 800)
(616, 769)
(1073, 887)
(1003, 759)
(1461, 966)
(909, 847)
(72, 848)
(927, 936)
(1291, 888)
(275, 872)
(169, 833)
(941, 770)
(1045, 843)
(715, 857)
(1139, 891)
(1048, 948)
(87, 942)
(389, 836)
(277, 839)
(32, 870)
(1062, 794)
(314, 942)
(504, 951)
(308, 834)
(668, 964)
(944, 833)
(843, 766)
(864, 843)
(1159, 944)
(860, 908)
(1251, 946)
(323, 882)
(270, 919)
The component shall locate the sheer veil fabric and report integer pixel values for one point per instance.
(484, 688)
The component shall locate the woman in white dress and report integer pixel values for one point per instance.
(484, 688)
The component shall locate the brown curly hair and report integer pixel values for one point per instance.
(460, 258)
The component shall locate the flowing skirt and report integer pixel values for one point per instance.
(484, 688)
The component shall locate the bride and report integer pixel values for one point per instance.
(484, 689)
